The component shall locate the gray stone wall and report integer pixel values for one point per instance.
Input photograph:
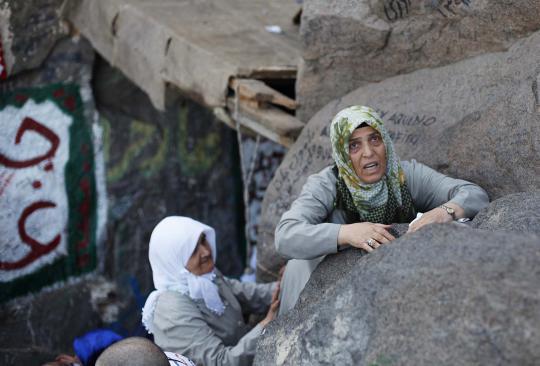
(96, 168)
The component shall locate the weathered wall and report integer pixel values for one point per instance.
(178, 162)
(28, 32)
(52, 195)
(348, 43)
(477, 119)
(80, 191)
(50, 176)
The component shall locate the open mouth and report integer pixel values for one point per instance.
(371, 166)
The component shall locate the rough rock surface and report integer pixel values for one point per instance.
(347, 44)
(514, 212)
(444, 295)
(37, 328)
(28, 31)
(477, 119)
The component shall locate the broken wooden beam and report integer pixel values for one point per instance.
(260, 93)
(271, 122)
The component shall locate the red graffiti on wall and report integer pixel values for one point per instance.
(37, 248)
(5, 180)
(3, 68)
(27, 125)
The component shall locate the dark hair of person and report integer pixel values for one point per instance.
(133, 351)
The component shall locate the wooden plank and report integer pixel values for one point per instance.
(264, 131)
(222, 115)
(258, 91)
(272, 118)
(270, 72)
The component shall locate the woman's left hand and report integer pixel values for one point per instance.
(437, 215)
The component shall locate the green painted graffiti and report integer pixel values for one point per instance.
(200, 157)
(141, 136)
(196, 155)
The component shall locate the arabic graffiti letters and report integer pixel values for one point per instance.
(37, 249)
(33, 151)
(47, 189)
(26, 125)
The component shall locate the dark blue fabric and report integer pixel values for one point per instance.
(89, 346)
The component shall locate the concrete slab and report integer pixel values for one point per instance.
(195, 45)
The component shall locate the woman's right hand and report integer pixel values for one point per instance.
(357, 235)
(274, 307)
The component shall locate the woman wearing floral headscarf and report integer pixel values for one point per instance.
(354, 201)
(195, 311)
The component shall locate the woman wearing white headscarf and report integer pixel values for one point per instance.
(195, 310)
(353, 201)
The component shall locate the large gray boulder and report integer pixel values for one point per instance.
(515, 212)
(347, 43)
(477, 119)
(444, 295)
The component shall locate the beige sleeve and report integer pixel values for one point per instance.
(430, 189)
(182, 329)
(254, 297)
(302, 232)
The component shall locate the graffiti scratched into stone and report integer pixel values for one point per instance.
(47, 189)
(399, 9)
(396, 9)
(450, 8)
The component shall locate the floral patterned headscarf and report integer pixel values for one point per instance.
(365, 196)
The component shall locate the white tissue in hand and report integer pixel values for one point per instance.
(418, 215)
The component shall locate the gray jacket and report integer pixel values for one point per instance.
(310, 228)
(187, 327)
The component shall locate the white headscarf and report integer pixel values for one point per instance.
(171, 245)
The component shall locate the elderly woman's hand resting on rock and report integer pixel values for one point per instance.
(438, 215)
(359, 235)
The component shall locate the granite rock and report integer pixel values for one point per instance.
(347, 43)
(515, 212)
(28, 32)
(35, 329)
(444, 295)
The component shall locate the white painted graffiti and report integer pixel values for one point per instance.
(34, 150)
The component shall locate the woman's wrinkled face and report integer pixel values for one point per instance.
(368, 154)
(201, 261)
